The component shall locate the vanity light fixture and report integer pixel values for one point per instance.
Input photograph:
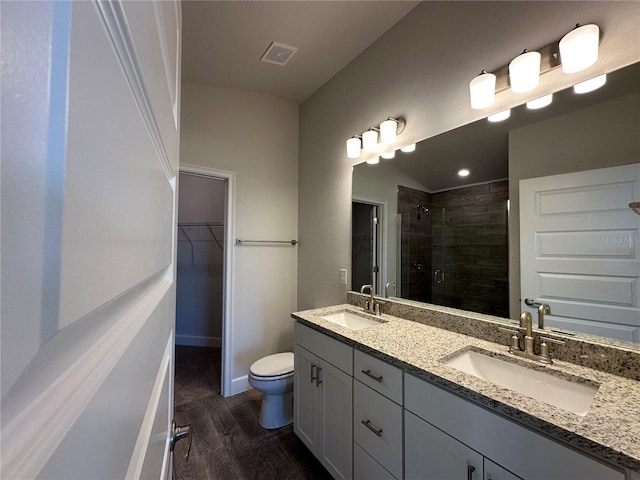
(482, 90)
(370, 140)
(500, 116)
(524, 72)
(540, 102)
(373, 161)
(463, 172)
(591, 84)
(579, 48)
(408, 148)
(388, 155)
(353, 146)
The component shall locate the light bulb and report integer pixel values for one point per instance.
(482, 90)
(389, 155)
(524, 72)
(540, 102)
(579, 48)
(353, 147)
(408, 148)
(370, 140)
(590, 85)
(388, 131)
(373, 161)
(500, 116)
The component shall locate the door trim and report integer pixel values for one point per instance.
(383, 267)
(229, 264)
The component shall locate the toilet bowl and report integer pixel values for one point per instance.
(273, 376)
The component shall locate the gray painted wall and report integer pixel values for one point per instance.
(420, 70)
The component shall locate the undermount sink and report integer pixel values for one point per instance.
(548, 388)
(351, 320)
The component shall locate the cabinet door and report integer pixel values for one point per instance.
(305, 398)
(335, 417)
(493, 471)
(432, 454)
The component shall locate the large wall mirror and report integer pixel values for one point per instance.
(454, 240)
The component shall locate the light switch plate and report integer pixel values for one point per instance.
(343, 276)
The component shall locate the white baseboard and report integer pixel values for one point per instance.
(196, 341)
(239, 385)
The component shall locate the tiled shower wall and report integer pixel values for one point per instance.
(463, 241)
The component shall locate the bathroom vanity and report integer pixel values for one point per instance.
(383, 397)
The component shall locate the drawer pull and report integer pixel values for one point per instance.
(318, 381)
(367, 423)
(313, 377)
(470, 470)
(371, 375)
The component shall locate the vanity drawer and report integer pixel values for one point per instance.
(333, 351)
(503, 441)
(377, 427)
(380, 376)
(366, 468)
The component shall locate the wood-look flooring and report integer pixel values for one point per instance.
(227, 441)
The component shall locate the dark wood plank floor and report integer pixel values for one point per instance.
(228, 443)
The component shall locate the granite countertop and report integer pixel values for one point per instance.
(610, 431)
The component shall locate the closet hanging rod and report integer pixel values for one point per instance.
(201, 224)
(243, 242)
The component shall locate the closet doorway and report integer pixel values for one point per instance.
(202, 244)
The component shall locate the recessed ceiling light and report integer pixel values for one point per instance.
(463, 172)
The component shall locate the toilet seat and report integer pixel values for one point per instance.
(273, 367)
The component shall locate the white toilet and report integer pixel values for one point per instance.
(273, 376)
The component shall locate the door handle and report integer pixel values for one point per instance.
(470, 470)
(314, 377)
(178, 432)
(318, 381)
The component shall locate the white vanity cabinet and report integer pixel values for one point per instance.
(478, 438)
(377, 418)
(323, 394)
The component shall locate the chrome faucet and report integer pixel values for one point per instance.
(386, 288)
(370, 305)
(543, 309)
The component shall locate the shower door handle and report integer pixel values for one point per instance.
(438, 277)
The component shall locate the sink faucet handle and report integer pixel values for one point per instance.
(544, 348)
(515, 338)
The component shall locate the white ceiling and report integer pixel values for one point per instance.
(224, 40)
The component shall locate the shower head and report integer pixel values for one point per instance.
(420, 209)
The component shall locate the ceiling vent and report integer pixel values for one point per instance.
(278, 54)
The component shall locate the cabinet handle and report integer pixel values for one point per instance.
(318, 381)
(371, 375)
(367, 423)
(470, 470)
(313, 377)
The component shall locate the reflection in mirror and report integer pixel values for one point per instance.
(447, 239)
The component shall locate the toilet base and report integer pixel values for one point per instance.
(276, 411)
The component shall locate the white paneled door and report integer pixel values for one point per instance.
(90, 142)
(580, 252)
